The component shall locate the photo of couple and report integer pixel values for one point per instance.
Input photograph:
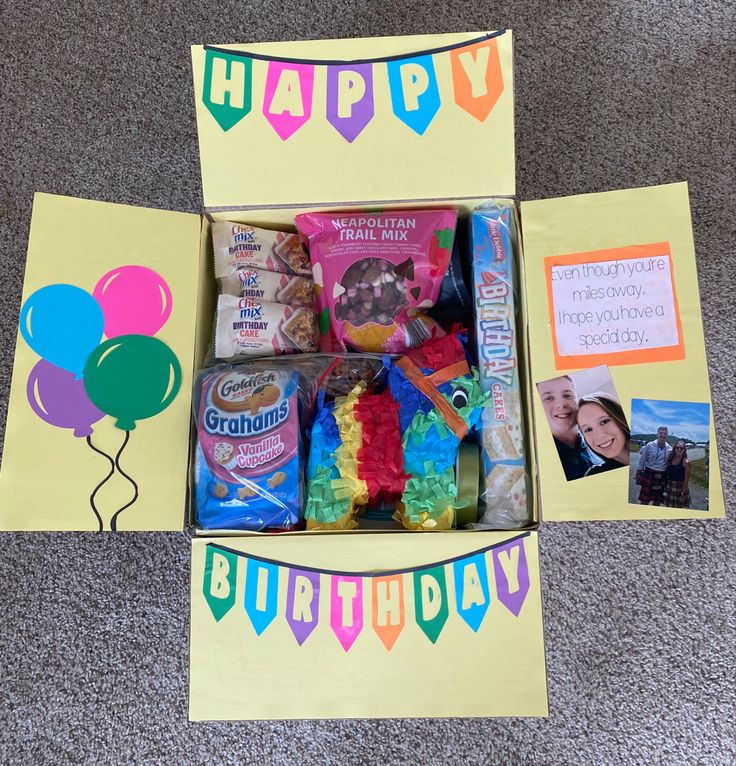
(587, 422)
(671, 468)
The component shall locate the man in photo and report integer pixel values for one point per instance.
(652, 468)
(560, 403)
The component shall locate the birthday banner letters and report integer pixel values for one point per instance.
(288, 97)
(350, 602)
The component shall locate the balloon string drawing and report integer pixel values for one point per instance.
(114, 519)
(101, 484)
(81, 378)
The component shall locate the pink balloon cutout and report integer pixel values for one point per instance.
(135, 301)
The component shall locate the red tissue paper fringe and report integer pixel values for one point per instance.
(381, 458)
(437, 354)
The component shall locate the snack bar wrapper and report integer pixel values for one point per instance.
(249, 455)
(239, 246)
(376, 274)
(504, 494)
(269, 286)
(247, 327)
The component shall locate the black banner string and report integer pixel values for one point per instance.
(114, 519)
(355, 62)
(101, 484)
(381, 573)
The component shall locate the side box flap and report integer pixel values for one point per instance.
(367, 626)
(618, 353)
(97, 432)
(339, 121)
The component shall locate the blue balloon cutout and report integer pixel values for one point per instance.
(62, 324)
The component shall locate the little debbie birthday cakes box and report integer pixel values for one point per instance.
(117, 317)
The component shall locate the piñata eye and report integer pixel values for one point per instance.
(459, 398)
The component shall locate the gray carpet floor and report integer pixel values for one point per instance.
(640, 617)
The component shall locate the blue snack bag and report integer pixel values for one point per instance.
(248, 462)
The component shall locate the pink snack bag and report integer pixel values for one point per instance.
(376, 274)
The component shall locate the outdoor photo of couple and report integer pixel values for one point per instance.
(587, 422)
(666, 446)
(672, 440)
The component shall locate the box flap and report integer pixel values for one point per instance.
(371, 119)
(612, 287)
(98, 418)
(367, 626)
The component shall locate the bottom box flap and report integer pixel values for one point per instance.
(367, 626)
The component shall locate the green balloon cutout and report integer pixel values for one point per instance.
(132, 377)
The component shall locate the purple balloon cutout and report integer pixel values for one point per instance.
(56, 397)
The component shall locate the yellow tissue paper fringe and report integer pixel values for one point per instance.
(346, 455)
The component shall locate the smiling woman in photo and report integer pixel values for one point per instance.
(678, 477)
(560, 403)
(602, 422)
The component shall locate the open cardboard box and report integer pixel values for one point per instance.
(305, 625)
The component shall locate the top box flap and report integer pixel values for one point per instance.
(372, 119)
(97, 433)
(617, 348)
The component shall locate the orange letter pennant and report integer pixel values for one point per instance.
(388, 608)
(476, 78)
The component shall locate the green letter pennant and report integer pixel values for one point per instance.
(220, 570)
(430, 601)
(227, 87)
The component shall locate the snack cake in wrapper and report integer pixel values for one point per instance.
(270, 286)
(377, 274)
(504, 496)
(250, 327)
(239, 246)
(248, 461)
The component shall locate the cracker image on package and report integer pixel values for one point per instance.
(249, 327)
(504, 494)
(239, 246)
(248, 461)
